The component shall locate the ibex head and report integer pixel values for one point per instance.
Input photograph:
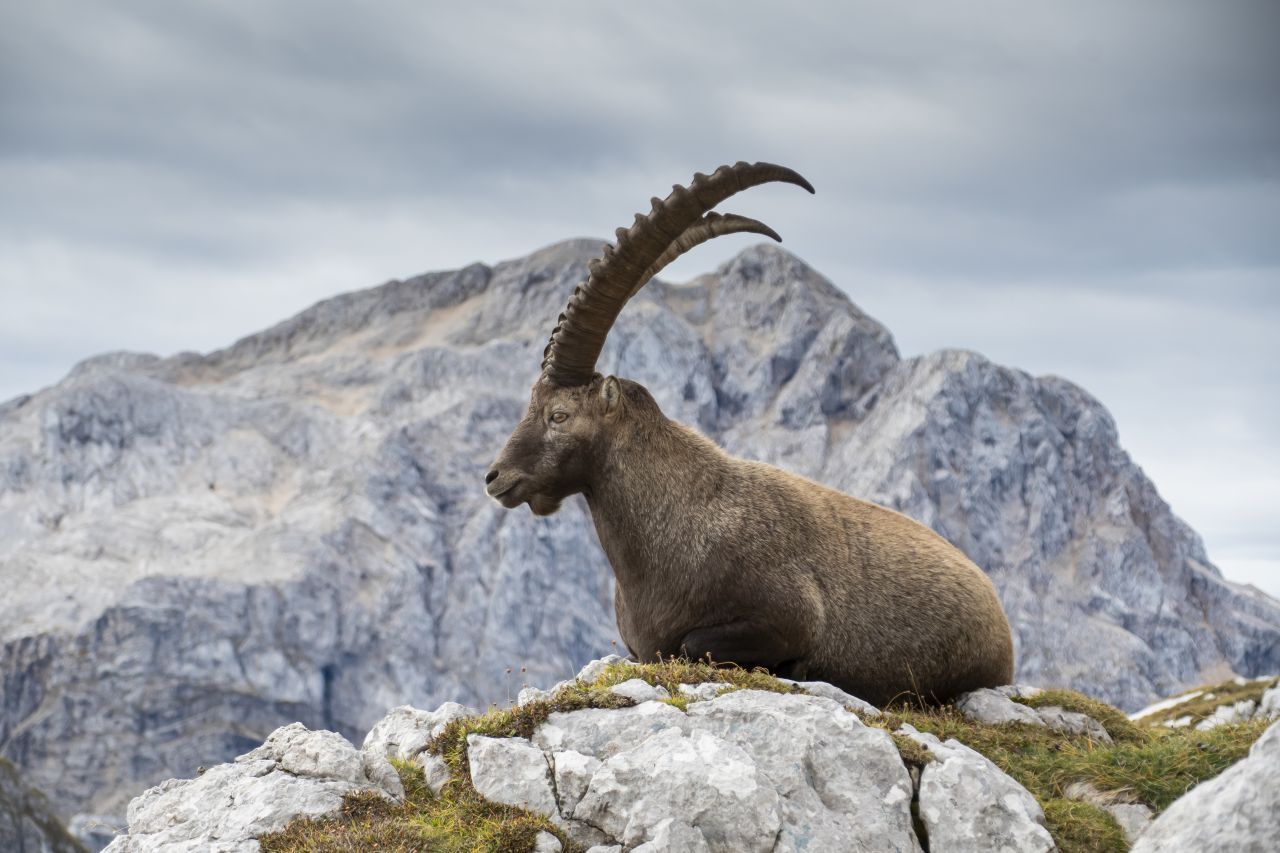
(573, 410)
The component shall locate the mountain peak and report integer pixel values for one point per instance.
(295, 527)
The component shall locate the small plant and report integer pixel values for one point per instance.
(1149, 765)
(1153, 765)
(1203, 701)
(457, 821)
(522, 720)
(1112, 719)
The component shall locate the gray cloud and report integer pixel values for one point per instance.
(1090, 189)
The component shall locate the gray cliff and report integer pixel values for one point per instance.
(196, 550)
(27, 822)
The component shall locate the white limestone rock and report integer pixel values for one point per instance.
(532, 694)
(545, 842)
(843, 784)
(1236, 712)
(594, 669)
(674, 836)
(705, 690)
(1165, 704)
(830, 691)
(435, 771)
(639, 690)
(704, 779)
(603, 733)
(404, 732)
(573, 772)
(1073, 722)
(969, 804)
(992, 708)
(1236, 812)
(838, 784)
(295, 773)
(511, 771)
(1018, 691)
(1269, 707)
(1133, 818)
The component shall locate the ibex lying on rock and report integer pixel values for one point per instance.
(722, 557)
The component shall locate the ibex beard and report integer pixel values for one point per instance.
(728, 559)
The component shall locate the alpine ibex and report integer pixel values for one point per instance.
(722, 557)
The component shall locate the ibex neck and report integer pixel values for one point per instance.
(654, 486)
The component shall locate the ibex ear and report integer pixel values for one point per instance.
(611, 393)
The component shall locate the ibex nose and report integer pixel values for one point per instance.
(491, 476)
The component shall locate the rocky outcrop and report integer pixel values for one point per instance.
(746, 770)
(403, 733)
(201, 548)
(729, 769)
(296, 773)
(967, 803)
(751, 770)
(1266, 708)
(1236, 701)
(994, 708)
(27, 823)
(1236, 812)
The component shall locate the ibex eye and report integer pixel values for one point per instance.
(559, 417)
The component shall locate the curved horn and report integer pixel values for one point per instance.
(709, 226)
(648, 245)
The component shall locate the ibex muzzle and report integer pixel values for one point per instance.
(730, 559)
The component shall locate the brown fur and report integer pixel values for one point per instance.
(751, 564)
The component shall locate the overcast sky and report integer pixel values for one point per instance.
(1090, 189)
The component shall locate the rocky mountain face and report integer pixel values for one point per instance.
(196, 550)
(28, 823)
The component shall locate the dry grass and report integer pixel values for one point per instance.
(1211, 697)
(457, 821)
(1148, 764)
(1082, 828)
(1113, 720)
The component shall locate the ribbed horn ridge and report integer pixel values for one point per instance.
(673, 226)
(709, 226)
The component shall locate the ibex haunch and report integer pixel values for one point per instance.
(727, 558)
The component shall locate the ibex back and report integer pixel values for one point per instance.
(727, 558)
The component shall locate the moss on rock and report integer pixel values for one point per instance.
(1149, 764)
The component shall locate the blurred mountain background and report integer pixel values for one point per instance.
(197, 549)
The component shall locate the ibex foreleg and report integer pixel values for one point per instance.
(746, 644)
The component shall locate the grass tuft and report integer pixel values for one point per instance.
(1148, 764)
(670, 673)
(913, 754)
(458, 821)
(1210, 698)
(1082, 828)
(1112, 719)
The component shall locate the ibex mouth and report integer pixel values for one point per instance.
(502, 493)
